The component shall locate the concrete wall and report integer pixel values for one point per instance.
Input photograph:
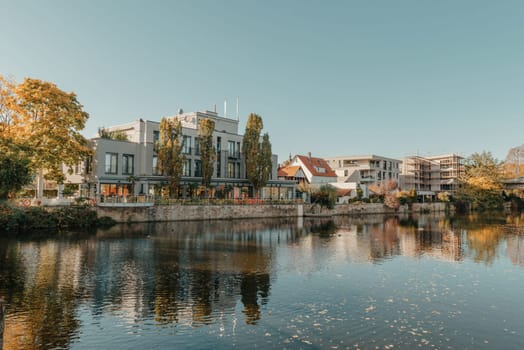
(197, 212)
(204, 212)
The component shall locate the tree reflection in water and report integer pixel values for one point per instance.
(195, 273)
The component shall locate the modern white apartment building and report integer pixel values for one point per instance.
(365, 170)
(131, 167)
(419, 174)
(431, 175)
(451, 167)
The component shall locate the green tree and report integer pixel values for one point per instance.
(206, 127)
(15, 172)
(257, 155)
(480, 183)
(325, 196)
(118, 135)
(48, 121)
(265, 163)
(170, 157)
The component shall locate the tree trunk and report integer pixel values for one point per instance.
(40, 185)
(2, 319)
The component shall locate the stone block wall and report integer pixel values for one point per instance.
(178, 212)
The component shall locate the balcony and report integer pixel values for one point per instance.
(233, 155)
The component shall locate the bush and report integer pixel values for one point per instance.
(326, 196)
(16, 220)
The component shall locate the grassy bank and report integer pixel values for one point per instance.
(17, 220)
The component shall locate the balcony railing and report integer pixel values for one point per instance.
(233, 155)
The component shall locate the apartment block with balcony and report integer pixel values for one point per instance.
(130, 167)
(431, 175)
(451, 167)
(419, 174)
(365, 170)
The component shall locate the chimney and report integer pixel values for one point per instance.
(309, 155)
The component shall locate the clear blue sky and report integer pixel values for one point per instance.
(392, 78)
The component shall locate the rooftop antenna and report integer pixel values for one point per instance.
(237, 110)
(225, 109)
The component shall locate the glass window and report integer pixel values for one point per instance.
(155, 165)
(128, 164)
(111, 163)
(186, 147)
(156, 138)
(197, 146)
(231, 170)
(231, 149)
(186, 171)
(198, 168)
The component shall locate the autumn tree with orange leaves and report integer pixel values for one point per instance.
(45, 122)
(481, 183)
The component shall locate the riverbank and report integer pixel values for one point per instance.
(25, 219)
(177, 212)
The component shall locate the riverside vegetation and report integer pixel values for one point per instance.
(18, 220)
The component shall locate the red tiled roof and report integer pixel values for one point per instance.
(314, 165)
(341, 192)
(288, 171)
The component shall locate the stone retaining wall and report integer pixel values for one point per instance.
(204, 212)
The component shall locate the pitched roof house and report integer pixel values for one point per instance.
(316, 170)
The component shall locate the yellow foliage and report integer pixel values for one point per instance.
(483, 183)
(46, 121)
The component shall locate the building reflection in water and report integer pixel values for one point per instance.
(196, 273)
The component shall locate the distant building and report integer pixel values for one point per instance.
(431, 175)
(316, 170)
(420, 174)
(365, 170)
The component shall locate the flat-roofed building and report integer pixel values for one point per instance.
(431, 175)
(365, 170)
(128, 165)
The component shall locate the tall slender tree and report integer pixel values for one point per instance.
(257, 155)
(265, 162)
(169, 149)
(206, 127)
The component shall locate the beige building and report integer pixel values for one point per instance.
(431, 175)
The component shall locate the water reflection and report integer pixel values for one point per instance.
(196, 274)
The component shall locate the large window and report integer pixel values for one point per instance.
(186, 146)
(231, 170)
(186, 171)
(231, 149)
(155, 165)
(156, 138)
(111, 163)
(198, 168)
(128, 164)
(197, 146)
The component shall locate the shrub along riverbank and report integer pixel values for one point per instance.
(16, 220)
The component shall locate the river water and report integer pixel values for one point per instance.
(374, 282)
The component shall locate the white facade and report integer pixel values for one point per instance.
(365, 170)
(431, 175)
(130, 167)
(316, 171)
